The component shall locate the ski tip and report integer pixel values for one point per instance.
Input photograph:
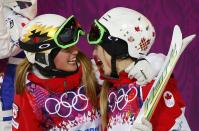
(193, 36)
(188, 39)
(176, 27)
(177, 35)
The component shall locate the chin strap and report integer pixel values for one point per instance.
(50, 70)
(113, 68)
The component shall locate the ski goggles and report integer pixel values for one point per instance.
(96, 33)
(65, 36)
(68, 34)
(115, 47)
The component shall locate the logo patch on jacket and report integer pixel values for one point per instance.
(15, 114)
(169, 99)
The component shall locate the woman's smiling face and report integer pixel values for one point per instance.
(66, 59)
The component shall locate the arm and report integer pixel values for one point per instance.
(23, 117)
(181, 123)
(11, 26)
(144, 126)
(4, 33)
(3, 29)
(168, 114)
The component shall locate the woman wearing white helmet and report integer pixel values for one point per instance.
(55, 86)
(123, 36)
(14, 15)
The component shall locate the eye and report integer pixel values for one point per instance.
(116, 39)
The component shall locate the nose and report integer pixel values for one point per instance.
(95, 52)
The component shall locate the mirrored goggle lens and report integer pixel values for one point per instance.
(69, 33)
(96, 33)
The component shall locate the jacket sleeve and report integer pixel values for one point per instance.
(181, 123)
(169, 108)
(11, 25)
(23, 116)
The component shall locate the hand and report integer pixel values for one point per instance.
(144, 126)
(146, 69)
(142, 71)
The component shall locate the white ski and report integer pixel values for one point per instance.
(176, 48)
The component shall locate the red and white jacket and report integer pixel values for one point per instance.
(55, 103)
(125, 99)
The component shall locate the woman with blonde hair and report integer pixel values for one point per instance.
(55, 85)
(123, 37)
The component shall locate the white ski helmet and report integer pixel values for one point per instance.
(126, 25)
(27, 8)
(122, 32)
(44, 36)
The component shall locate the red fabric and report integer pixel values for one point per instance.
(123, 80)
(164, 117)
(58, 84)
(25, 116)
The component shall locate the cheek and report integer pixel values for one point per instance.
(107, 59)
(60, 59)
(57, 62)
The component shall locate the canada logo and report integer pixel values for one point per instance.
(168, 99)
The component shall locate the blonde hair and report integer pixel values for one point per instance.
(104, 102)
(21, 71)
(88, 77)
(121, 65)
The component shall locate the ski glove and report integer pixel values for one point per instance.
(144, 126)
(146, 69)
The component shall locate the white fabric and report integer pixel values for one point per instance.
(144, 126)
(9, 36)
(5, 126)
(3, 29)
(14, 60)
(4, 113)
(86, 126)
(146, 70)
(181, 123)
(28, 12)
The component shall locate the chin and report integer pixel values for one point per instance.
(70, 68)
(74, 68)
